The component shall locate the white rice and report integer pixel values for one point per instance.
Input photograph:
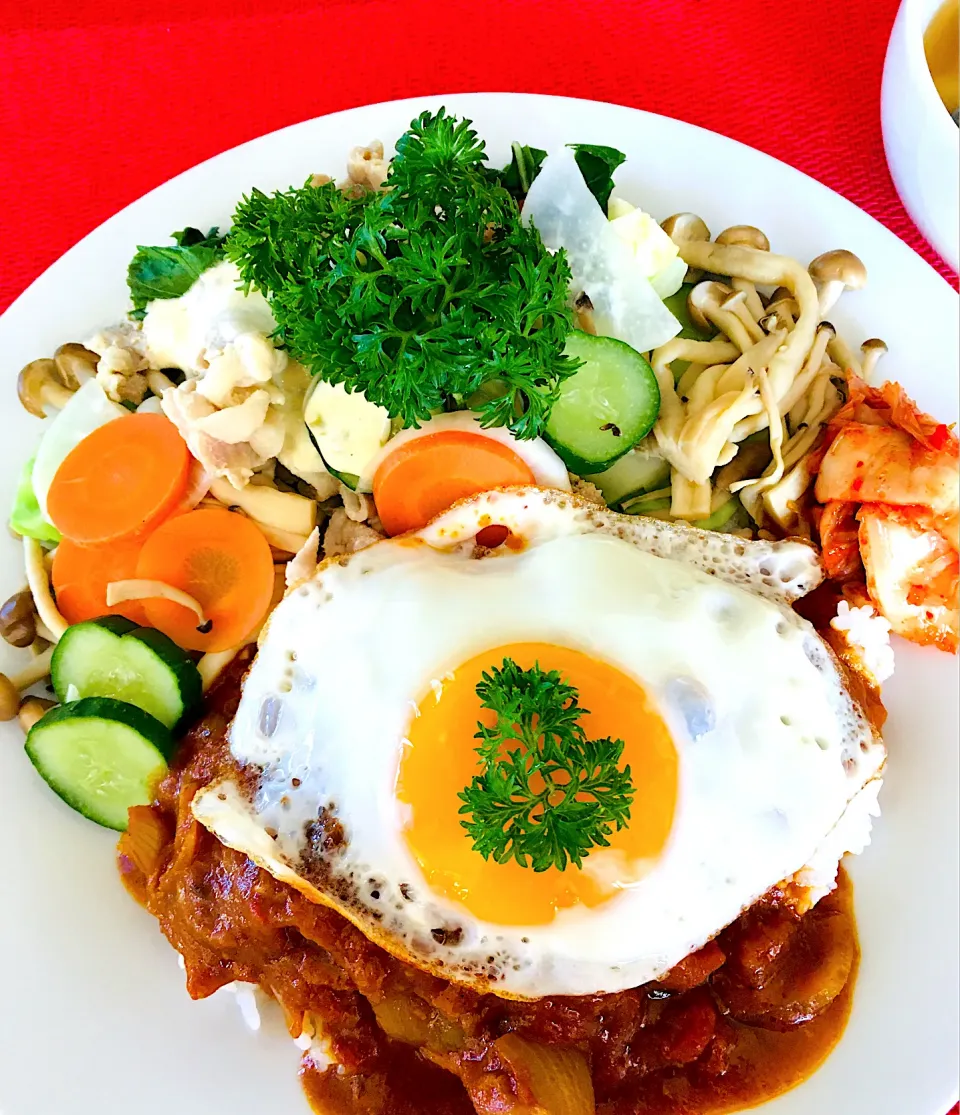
(868, 637)
(246, 994)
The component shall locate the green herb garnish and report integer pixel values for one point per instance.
(419, 295)
(556, 795)
(167, 271)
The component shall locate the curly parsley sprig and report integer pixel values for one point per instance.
(421, 295)
(556, 795)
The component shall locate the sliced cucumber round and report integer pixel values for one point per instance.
(350, 479)
(609, 403)
(719, 518)
(100, 756)
(346, 428)
(634, 473)
(112, 657)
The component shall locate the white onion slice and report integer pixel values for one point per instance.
(567, 215)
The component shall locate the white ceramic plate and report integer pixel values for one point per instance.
(95, 1020)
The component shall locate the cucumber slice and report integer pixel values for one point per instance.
(351, 480)
(347, 429)
(348, 479)
(649, 503)
(112, 657)
(609, 403)
(100, 756)
(634, 473)
(719, 519)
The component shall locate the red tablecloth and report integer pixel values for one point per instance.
(100, 101)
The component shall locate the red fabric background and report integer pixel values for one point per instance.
(101, 101)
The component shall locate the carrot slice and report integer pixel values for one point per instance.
(222, 560)
(425, 475)
(81, 575)
(120, 480)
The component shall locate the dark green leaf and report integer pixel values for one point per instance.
(190, 237)
(524, 166)
(597, 165)
(170, 270)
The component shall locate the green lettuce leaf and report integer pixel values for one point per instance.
(25, 517)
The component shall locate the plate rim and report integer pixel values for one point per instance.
(432, 97)
(20, 303)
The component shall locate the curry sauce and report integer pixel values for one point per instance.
(750, 1015)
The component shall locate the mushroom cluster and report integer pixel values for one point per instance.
(22, 627)
(48, 384)
(742, 411)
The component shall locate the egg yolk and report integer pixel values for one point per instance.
(439, 759)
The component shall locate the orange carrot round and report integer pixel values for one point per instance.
(81, 575)
(221, 559)
(120, 481)
(425, 475)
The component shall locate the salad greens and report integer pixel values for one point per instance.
(170, 270)
(596, 163)
(546, 794)
(425, 297)
(524, 166)
(419, 295)
(26, 518)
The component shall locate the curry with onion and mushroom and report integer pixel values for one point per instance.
(745, 1018)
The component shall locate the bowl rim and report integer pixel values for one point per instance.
(915, 27)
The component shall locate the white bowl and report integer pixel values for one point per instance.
(921, 140)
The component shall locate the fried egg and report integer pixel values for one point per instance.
(752, 765)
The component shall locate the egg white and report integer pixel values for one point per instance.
(777, 763)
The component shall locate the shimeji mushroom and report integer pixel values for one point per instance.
(18, 620)
(700, 354)
(42, 385)
(844, 356)
(76, 362)
(766, 269)
(38, 581)
(745, 380)
(706, 305)
(823, 338)
(32, 710)
(872, 351)
(12, 687)
(834, 272)
(747, 236)
(736, 304)
(781, 311)
(683, 228)
(722, 398)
